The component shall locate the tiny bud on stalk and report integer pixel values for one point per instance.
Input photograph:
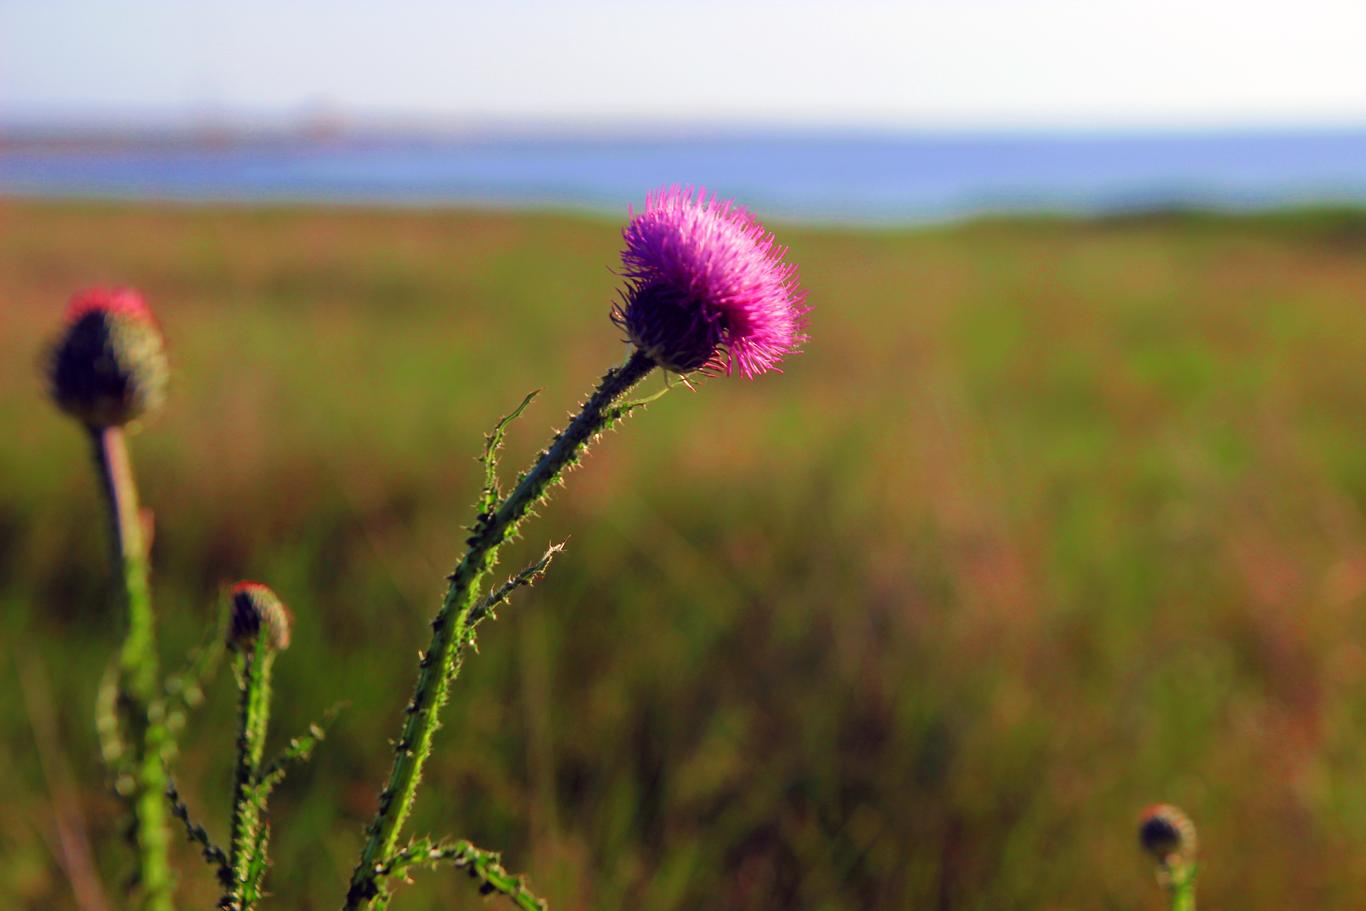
(1167, 835)
(255, 608)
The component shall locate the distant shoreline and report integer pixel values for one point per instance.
(859, 178)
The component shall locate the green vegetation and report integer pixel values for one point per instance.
(1052, 521)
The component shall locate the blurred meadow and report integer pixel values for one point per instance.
(1053, 520)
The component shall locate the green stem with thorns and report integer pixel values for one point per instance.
(197, 834)
(139, 706)
(450, 628)
(484, 867)
(246, 859)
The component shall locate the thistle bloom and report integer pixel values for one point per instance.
(256, 607)
(109, 366)
(708, 287)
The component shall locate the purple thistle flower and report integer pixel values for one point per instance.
(708, 288)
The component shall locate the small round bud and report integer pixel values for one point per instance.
(1167, 834)
(109, 365)
(256, 608)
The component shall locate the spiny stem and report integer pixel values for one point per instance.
(196, 833)
(450, 629)
(485, 867)
(139, 704)
(528, 576)
(299, 750)
(248, 803)
(493, 442)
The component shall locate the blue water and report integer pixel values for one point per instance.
(820, 177)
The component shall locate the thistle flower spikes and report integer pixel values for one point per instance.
(109, 365)
(708, 287)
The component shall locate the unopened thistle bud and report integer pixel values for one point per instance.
(109, 366)
(256, 608)
(708, 287)
(1167, 835)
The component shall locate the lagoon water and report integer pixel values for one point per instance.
(851, 177)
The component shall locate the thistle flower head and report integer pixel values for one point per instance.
(1167, 835)
(109, 365)
(707, 287)
(256, 608)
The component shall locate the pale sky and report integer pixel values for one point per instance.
(916, 64)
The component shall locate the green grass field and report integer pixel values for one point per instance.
(1053, 520)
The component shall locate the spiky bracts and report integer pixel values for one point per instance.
(452, 628)
(708, 287)
(109, 365)
(1167, 835)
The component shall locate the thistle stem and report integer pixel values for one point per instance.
(451, 629)
(484, 867)
(1183, 889)
(138, 702)
(248, 800)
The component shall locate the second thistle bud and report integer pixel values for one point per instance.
(256, 610)
(1167, 835)
(109, 365)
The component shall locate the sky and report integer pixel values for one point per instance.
(851, 63)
